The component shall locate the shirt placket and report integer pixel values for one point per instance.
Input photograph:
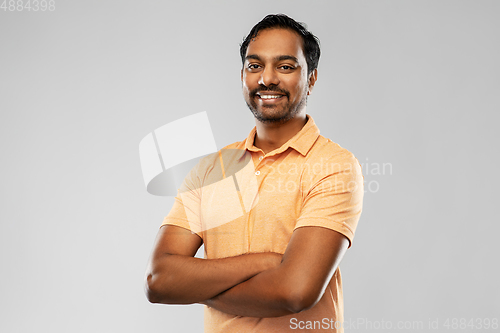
(261, 171)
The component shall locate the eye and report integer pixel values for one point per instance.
(286, 67)
(253, 66)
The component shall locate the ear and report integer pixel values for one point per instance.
(312, 80)
(242, 75)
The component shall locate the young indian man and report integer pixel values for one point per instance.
(273, 267)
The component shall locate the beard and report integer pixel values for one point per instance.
(275, 114)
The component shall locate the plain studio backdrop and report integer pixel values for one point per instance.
(410, 87)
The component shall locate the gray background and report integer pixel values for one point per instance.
(410, 83)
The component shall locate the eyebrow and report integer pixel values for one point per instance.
(278, 58)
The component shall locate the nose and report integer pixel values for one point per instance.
(269, 77)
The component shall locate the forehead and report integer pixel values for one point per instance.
(276, 42)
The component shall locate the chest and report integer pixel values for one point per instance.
(254, 210)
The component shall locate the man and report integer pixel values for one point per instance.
(273, 268)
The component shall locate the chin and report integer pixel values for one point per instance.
(277, 118)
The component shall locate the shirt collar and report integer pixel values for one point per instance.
(301, 142)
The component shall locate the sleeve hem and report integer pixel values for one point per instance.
(179, 223)
(340, 227)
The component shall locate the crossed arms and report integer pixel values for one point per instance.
(251, 285)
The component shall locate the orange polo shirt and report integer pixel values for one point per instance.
(241, 200)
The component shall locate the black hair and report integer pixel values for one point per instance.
(310, 42)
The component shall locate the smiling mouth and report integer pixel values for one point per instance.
(268, 97)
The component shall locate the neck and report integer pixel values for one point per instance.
(271, 136)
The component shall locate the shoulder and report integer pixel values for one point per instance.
(209, 161)
(332, 169)
(209, 168)
(334, 157)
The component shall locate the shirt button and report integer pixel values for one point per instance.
(257, 173)
(260, 158)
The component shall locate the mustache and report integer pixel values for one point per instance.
(271, 87)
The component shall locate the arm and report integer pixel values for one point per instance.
(297, 284)
(313, 252)
(174, 276)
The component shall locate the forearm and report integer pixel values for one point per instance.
(179, 279)
(264, 295)
(297, 284)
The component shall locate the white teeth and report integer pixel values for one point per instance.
(269, 96)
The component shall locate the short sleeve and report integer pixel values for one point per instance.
(335, 198)
(185, 212)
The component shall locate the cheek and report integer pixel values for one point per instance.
(245, 89)
(246, 92)
(296, 87)
(246, 84)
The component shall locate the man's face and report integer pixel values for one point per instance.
(274, 76)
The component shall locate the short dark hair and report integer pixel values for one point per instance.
(310, 42)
